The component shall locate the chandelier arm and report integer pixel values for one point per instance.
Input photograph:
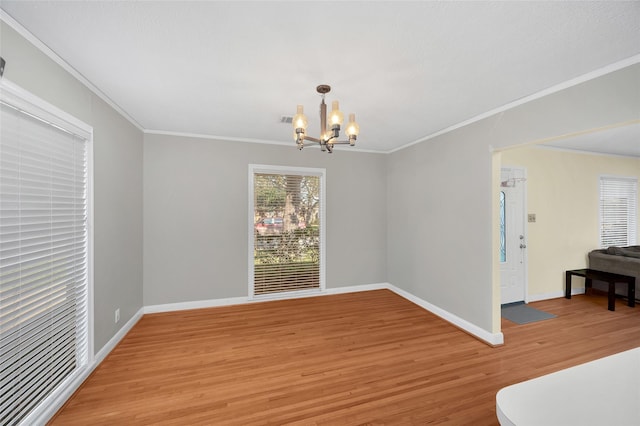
(311, 138)
(340, 143)
(309, 144)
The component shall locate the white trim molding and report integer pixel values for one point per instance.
(195, 304)
(214, 303)
(553, 295)
(542, 93)
(44, 416)
(248, 140)
(583, 152)
(17, 27)
(493, 339)
(320, 173)
(113, 342)
(19, 99)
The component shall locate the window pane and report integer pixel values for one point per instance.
(43, 260)
(286, 233)
(618, 211)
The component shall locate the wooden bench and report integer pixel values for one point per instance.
(608, 277)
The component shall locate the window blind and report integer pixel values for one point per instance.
(43, 260)
(286, 234)
(618, 211)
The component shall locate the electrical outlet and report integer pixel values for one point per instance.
(532, 218)
(117, 315)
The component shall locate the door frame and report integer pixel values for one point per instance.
(525, 230)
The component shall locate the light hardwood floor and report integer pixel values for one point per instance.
(369, 358)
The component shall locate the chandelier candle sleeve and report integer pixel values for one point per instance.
(336, 117)
(352, 129)
(300, 121)
(329, 126)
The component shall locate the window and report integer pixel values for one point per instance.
(45, 339)
(618, 211)
(286, 232)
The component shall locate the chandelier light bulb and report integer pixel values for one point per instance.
(300, 120)
(352, 127)
(336, 117)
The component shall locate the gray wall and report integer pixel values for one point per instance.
(439, 241)
(434, 199)
(440, 192)
(196, 215)
(117, 180)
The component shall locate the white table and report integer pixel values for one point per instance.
(604, 392)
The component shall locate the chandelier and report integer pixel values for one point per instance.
(329, 130)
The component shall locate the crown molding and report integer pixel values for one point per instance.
(15, 25)
(6, 18)
(553, 89)
(246, 140)
(585, 152)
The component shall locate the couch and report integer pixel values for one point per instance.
(619, 260)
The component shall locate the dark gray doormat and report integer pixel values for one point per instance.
(523, 314)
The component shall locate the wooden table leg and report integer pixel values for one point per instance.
(567, 285)
(612, 296)
(631, 293)
(588, 284)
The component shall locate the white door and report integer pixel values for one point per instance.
(513, 241)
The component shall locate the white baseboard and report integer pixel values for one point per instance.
(43, 416)
(493, 339)
(553, 295)
(356, 288)
(196, 304)
(49, 407)
(213, 303)
(113, 342)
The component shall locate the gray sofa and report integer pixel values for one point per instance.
(619, 260)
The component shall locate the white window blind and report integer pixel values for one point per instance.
(618, 211)
(286, 231)
(44, 336)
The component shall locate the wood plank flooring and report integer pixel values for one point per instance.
(370, 358)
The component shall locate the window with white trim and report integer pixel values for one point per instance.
(45, 338)
(286, 231)
(618, 211)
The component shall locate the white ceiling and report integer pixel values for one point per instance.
(407, 69)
